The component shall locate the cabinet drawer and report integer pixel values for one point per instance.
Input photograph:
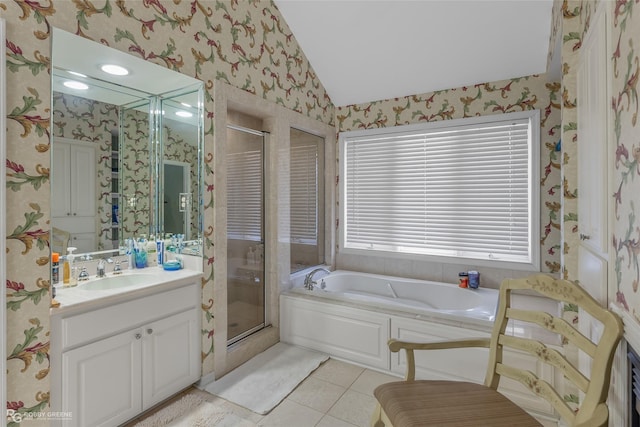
(91, 326)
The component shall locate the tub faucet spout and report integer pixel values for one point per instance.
(309, 283)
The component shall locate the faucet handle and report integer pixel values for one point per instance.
(117, 269)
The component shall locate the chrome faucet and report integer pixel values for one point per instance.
(101, 265)
(309, 283)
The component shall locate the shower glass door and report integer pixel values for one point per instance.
(245, 233)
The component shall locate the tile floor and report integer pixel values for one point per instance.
(337, 394)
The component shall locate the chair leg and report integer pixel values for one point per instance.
(376, 418)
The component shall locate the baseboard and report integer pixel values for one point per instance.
(205, 380)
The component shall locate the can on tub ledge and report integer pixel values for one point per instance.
(474, 279)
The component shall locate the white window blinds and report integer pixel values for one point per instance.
(244, 195)
(304, 194)
(462, 191)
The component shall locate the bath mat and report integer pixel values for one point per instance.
(194, 411)
(264, 381)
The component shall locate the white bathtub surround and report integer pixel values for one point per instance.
(356, 314)
(265, 380)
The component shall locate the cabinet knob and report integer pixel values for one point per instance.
(149, 331)
(74, 214)
(584, 236)
(138, 336)
(68, 213)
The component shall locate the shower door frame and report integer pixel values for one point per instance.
(265, 138)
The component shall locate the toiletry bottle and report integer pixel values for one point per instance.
(160, 251)
(55, 268)
(66, 270)
(70, 277)
(130, 255)
(152, 255)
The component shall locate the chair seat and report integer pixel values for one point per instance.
(450, 403)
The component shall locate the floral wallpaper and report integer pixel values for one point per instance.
(244, 43)
(625, 54)
(87, 120)
(520, 94)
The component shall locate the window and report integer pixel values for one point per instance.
(244, 195)
(306, 197)
(304, 193)
(458, 189)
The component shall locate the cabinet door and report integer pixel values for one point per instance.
(593, 111)
(83, 180)
(170, 356)
(84, 242)
(60, 179)
(102, 381)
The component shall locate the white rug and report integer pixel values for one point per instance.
(194, 411)
(264, 381)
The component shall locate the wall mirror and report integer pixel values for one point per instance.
(126, 149)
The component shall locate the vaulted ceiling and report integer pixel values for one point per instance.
(368, 50)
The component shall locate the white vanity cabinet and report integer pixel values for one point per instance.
(73, 194)
(111, 363)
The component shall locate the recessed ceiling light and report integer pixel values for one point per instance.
(116, 70)
(77, 74)
(183, 114)
(185, 104)
(72, 84)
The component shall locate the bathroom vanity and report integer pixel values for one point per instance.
(121, 344)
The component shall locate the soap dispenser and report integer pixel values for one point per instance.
(69, 278)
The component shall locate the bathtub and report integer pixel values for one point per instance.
(419, 297)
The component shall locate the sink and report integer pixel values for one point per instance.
(115, 282)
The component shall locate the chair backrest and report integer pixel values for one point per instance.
(59, 240)
(593, 409)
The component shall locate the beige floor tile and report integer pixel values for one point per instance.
(369, 380)
(317, 394)
(290, 413)
(355, 408)
(339, 373)
(329, 421)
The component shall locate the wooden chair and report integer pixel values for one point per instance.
(455, 403)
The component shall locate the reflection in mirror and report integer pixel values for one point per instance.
(108, 138)
(134, 197)
(306, 196)
(180, 174)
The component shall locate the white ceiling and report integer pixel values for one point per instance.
(369, 50)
